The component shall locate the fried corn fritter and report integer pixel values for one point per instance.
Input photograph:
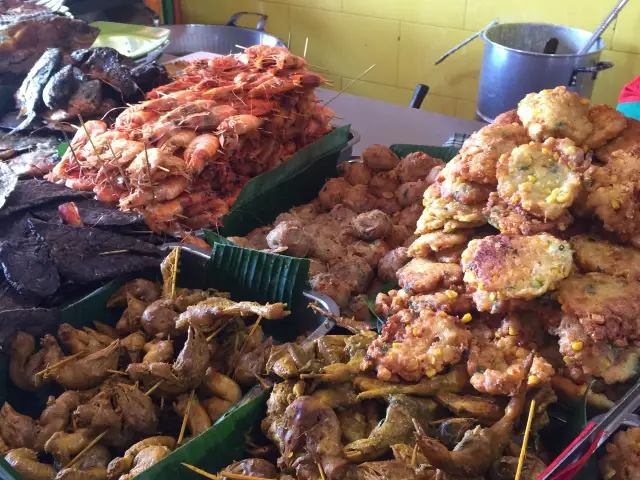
(447, 214)
(424, 276)
(515, 266)
(468, 193)
(411, 347)
(514, 220)
(542, 178)
(480, 152)
(607, 124)
(608, 307)
(585, 357)
(556, 113)
(436, 241)
(594, 255)
(628, 142)
(622, 460)
(614, 194)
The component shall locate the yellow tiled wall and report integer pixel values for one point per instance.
(404, 37)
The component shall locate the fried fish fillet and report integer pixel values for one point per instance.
(480, 152)
(595, 255)
(514, 220)
(516, 266)
(556, 113)
(542, 178)
(608, 307)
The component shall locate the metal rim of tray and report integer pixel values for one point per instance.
(600, 43)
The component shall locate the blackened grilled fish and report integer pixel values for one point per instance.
(61, 86)
(29, 96)
(150, 76)
(108, 65)
(87, 98)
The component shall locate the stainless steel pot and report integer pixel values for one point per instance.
(514, 64)
(221, 39)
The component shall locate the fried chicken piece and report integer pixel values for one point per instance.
(64, 446)
(206, 312)
(379, 157)
(397, 427)
(105, 329)
(608, 307)
(255, 467)
(542, 178)
(602, 359)
(99, 415)
(622, 460)
(453, 381)
(25, 362)
(447, 214)
(426, 244)
(150, 374)
(84, 373)
(159, 318)
(121, 465)
(424, 276)
(311, 427)
(627, 142)
(416, 166)
(193, 360)
(16, 430)
(87, 339)
(133, 345)
(26, 463)
(505, 468)
(391, 263)
(216, 407)
(146, 459)
(480, 152)
(131, 318)
(607, 123)
(480, 447)
(512, 219)
(142, 289)
(136, 409)
(516, 267)
(556, 113)
(55, 417)
(158, 351)
(219, 385)
(595, 255)
(411, 347)
(198, 421)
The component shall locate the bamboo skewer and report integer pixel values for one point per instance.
(232, 366)
(215, 332)
(117, 372)
(187, 411)
(201, 472)
(349, 85)
(306, 44)
(414, 456)
(321, 470)
(113, 252)
(238, 476)
(261, 380)
(60, 363)
(525, 440)
(86, 449)
(153, 389)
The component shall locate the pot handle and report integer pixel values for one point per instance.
(233, 21)
(598, 67)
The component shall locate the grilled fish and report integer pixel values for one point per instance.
(29, 96)
(108, 65)
(61, 86)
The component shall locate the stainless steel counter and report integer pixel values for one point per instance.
(386, 123)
